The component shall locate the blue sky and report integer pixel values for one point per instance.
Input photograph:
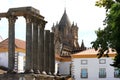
(83, 12)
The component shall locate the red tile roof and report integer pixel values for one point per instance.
(19, 44)
(91, 53)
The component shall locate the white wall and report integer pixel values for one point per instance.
(56, 66)
(21, 64)
(93, 69)
(64, 68)
(4, 60)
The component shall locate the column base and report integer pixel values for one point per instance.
(11, 72)
(29, 71)
(36, 71)
(44, 73)
(49, 73)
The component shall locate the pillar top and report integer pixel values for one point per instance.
(23, 11)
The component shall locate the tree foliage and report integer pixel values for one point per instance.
(109, 37)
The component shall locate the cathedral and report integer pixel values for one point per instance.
(66, 37)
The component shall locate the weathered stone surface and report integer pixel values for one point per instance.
(38, 46)
(51, 54)
(29, 77)
(35, 47)
(24, 9)
(29, 13)
(46, 50)
(29, 55)
(11, 43)
(59, 78)
(9, 77)
(41, 48)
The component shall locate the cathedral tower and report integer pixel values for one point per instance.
(66, 37)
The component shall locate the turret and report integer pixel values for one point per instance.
(82, 46)
(53, 28)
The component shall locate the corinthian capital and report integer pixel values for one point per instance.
(28, 19)
(12, 19)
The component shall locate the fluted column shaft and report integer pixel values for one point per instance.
(46, 50)
(29, 58)
(41, 47)
(35, 48)
(11, 43)
(52, 54)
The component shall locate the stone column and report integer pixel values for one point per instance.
(35, 47)
(29, 59)
(46, 50)
(52, 54)
(41, 47)
(11, 43)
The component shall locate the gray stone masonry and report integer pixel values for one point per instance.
(29, 77)
(11, 43)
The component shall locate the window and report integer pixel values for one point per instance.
(102, 73)
(84, 73)
(116, 73)
(102, 61)
(83, 62)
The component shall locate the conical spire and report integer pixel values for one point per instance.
(53, 28)
(64, 20)
(73, 24)
(83, 46)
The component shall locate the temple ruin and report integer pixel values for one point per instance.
(40, 57)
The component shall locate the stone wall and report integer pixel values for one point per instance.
(29, 77)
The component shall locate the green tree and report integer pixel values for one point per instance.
(109, 37)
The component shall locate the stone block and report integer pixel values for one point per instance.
(9, 77)
(29, 77)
